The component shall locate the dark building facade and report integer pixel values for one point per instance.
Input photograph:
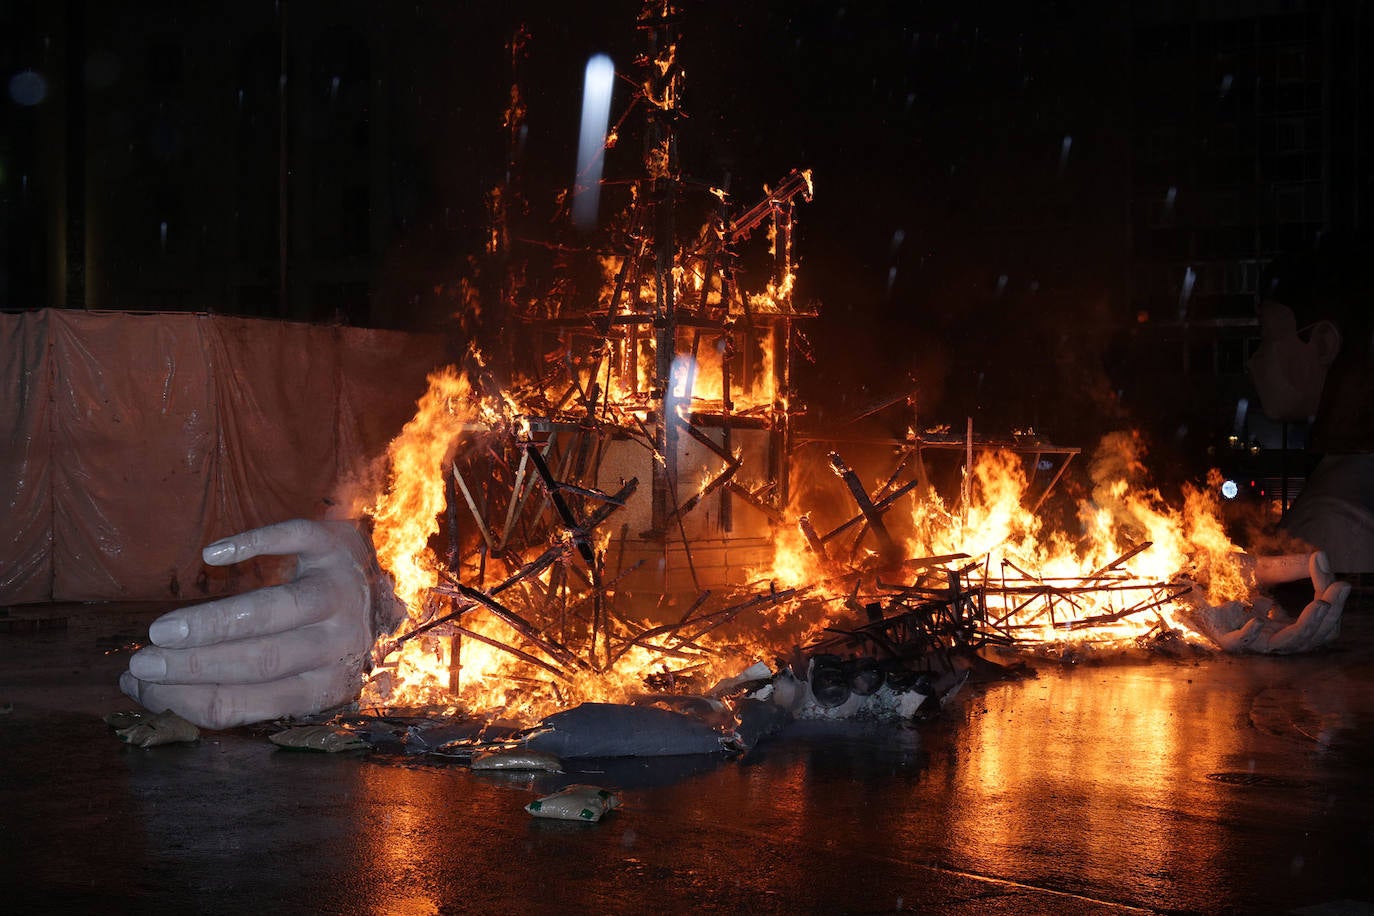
(1041, 211)
(258, 158)
(1248, 142)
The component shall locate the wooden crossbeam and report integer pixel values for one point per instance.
(472, 507)
(560, 505)
(887, 548)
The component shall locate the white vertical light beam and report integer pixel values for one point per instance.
(596, 113)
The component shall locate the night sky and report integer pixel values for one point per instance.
(972, 230)
(951, 230)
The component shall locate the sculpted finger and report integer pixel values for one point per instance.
(1300, 635)
(1276, 569)
(217, 706)
(296, 536)
(1241, 640)
(1335, 595)
(1320, 569)
(255, 660)
(307, 600)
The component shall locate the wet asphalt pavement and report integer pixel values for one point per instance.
(1211, 785)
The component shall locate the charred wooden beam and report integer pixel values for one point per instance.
(613, 502)
(755, 499)
(741, 420)
(1082, 623)
(641, 642)
(888, 549)
(534, 567)
(695, 606)
(920, 564)
(607, 587)
(517, 500)
(523, 656)
(668, 628)
(552, 647)
(814, 541)
(589, 493)
(523, 486)
(669, 481)
(725, 615)
(455, 663)
(1040, 588)
(712, 486)
(705, 440)
(455, 540)
(881, 506)
(1049, 488)
(727, 354)
(560, 505)
(795, 183)
(1143, 545)
(876, 406)
(436, 622)
(604, 323)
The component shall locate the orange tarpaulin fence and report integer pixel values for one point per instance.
(129, 440)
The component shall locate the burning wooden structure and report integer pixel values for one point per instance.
(644, 366)
(613, 463)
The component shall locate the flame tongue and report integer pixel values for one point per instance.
(407, 514)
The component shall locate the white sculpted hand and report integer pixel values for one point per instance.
(1264, 627)
(290, 649)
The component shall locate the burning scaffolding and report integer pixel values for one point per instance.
(601, 496)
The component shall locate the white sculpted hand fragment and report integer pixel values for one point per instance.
(290, 649)
(1263, 627)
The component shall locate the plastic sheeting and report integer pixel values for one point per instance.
(132, 440)
(616, 730)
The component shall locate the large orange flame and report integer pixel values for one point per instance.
(1008, 547)
(466, 664)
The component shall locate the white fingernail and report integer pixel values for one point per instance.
(219, 553)
(168, 632)
(148, 667)
(1322, 562)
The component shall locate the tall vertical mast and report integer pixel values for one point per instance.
(662, 84)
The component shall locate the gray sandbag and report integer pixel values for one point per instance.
(149, 731)
(615, 730)
(324, 738)
(575, 803)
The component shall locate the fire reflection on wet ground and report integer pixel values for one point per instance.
(1210, 784)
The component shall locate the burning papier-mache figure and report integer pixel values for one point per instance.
(672, 374)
